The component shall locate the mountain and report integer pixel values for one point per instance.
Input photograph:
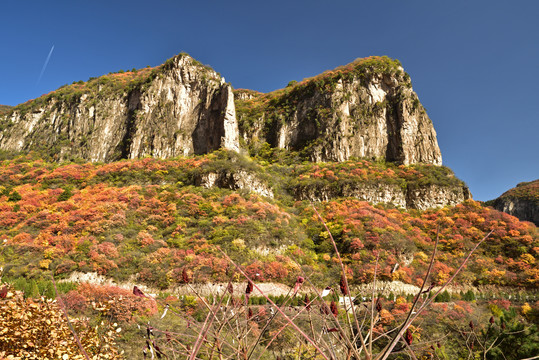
(179, 108)
(95, 187)
(365, 109)
(521, 201)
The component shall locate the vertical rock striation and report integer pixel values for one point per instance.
(179, 108)
(365, 109)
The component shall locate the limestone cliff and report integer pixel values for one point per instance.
(366, 109)
(421, 198)
(179, 108)
(521, 201)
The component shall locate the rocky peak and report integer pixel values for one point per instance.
(179, 108)
(365, 109)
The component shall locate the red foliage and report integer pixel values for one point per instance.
(123, 304)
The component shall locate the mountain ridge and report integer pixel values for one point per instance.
(363, 109)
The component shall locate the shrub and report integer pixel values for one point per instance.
(119, 304)
(38, 329)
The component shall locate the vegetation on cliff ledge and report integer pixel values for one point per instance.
(5, 109)
(251, 105)
(114, 84)
(525, 191)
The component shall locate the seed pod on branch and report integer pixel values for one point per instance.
(491, 321)
(306, 302)
(408, 337)
(249, 288)
(324, 309)
(185, 276)
(378, 305)
(334, 309)
(300, 280)
(343, 285)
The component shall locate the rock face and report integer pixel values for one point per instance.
(521, 201)
(421, 198)
(179, 108)
(366, 109)
(240, 179)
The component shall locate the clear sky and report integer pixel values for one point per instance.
(474, 64)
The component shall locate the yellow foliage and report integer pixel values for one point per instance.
(44, 264)
(527, 258)
(239, 243)
(422, 256)
(38, 329)
(525, 309)
(400, 300)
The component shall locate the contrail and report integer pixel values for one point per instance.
(45, 65)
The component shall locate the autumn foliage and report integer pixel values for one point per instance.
(149, 218)
(115, 303)
(38, 329)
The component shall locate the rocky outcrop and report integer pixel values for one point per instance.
(412, 197)
(179, 108)
(521, 201)
(372, 193)
(436, 196)
(240, 179)
(366, 109)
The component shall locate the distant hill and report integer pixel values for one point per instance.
(521, 201)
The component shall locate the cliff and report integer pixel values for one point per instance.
(365, 109)
(521, 201)
(410, 187)
(178, 108)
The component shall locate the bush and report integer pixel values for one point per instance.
(35, 329)
(117, 303)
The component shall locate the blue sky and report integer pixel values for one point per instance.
(474, 64)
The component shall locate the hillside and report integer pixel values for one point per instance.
(521, 201)
(153, 219)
